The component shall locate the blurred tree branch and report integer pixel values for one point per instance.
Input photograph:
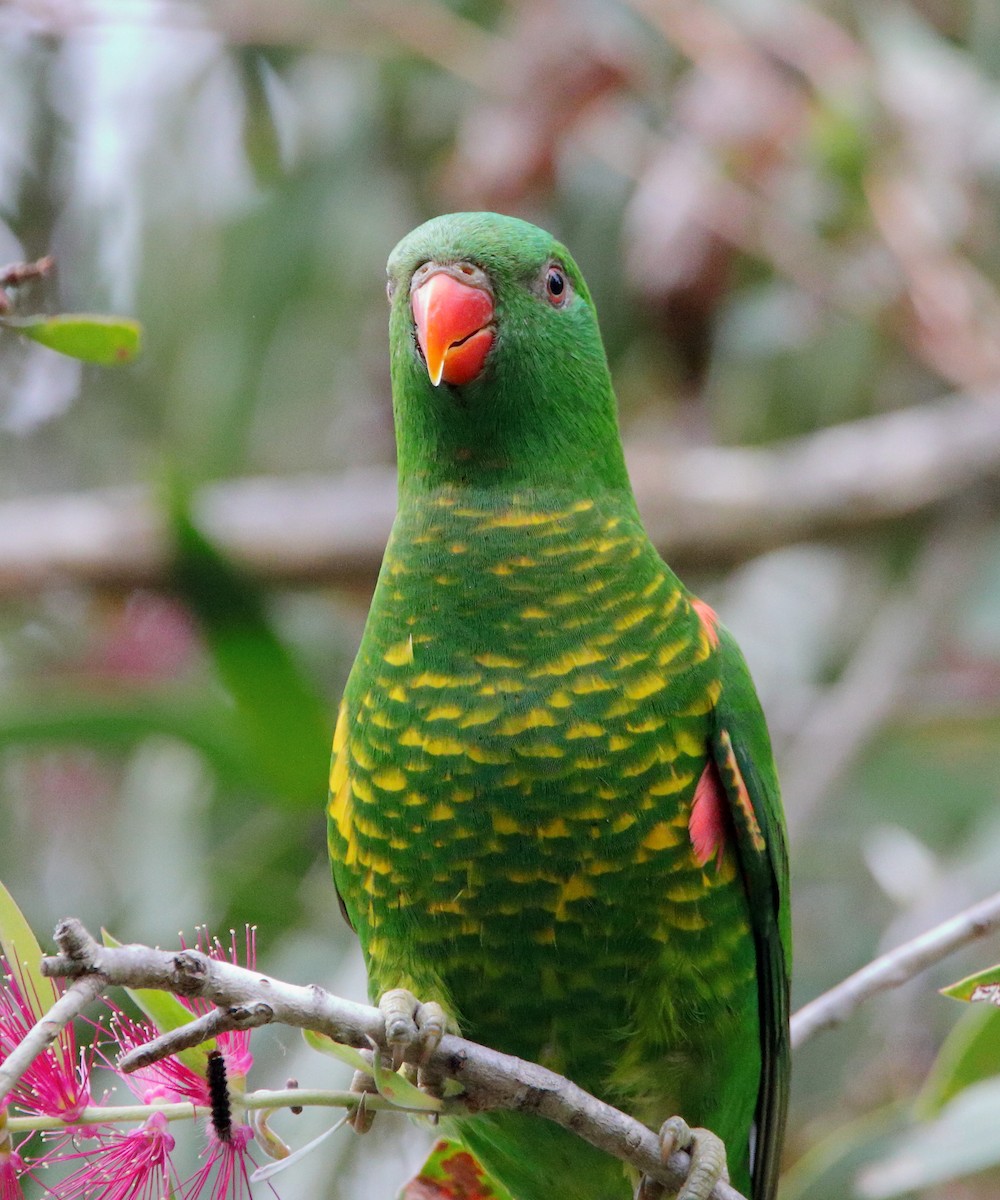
(705, 505)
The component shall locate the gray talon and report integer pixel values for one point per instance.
(708, 1161)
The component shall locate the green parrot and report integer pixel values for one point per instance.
(553, 806)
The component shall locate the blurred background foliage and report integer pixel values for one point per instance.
(789, 214)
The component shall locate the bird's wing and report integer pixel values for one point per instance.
(742, 752)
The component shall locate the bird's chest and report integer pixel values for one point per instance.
(526, 724)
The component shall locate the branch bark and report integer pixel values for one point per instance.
(706, 505)
(895, 968)
(490, 1080)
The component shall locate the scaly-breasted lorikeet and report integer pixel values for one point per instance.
(554, 810)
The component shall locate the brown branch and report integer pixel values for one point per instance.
(895, 968)
(490, 1080)
(706, 505)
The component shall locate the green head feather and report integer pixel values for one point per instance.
(541, 414)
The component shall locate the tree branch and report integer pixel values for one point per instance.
(895, 968)
(490, 1080)
(705, 505)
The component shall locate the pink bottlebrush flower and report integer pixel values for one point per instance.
(124, 1166)
(225, 1167)
(57, 1084)
(11, 1166)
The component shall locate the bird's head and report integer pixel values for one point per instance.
(498, 370)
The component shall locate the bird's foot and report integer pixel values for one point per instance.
(708, 1161)
(413, 1031)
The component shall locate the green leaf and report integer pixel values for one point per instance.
(21, 949)
(970, 1053)
(166, 1012)
(960, 1142)
(346, 1054)
(284, 719)
(452, 1173)
(984, 986)
(109, 341)
(24, 955)
(398, 1090)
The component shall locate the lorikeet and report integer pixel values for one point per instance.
(554, 810)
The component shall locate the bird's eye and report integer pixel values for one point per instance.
(557, 288)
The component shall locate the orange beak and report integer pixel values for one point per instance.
(453, 321)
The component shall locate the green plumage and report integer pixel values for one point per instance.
(534, 702)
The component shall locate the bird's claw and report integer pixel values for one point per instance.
(360, 1120)
(708, 1161)
(413, 1031)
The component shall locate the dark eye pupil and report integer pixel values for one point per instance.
(556, 283)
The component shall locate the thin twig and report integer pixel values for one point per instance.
(895, 968)
(46, 1029)
(490, 1080)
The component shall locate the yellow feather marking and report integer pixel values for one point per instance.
(400, 654)
(642, 766)
(444, 712)
(577, 887)
(490, 659)
(670, 785)
(645, 685)
(389, 779)
(475, 513)
(661, 837)
(471, 928)
(635, 617)
(606, 544)
(397, 843)
(649, 725)
(505, 824)
(590, 762)
(595, 586)
(556, 828)
(620, 708)
(513, 779)
(366, 827)
(434, 679)
(340, 732)
(443, 746)
(618, 742)
(668, 653)
(653, 587)
(461, 795)
(563, 599)
(534, 718)
(545, 937)
(480, 716)
(518, 520)
(533, 613)
(413, 799)
(594, 866)
(593, 812)
(458, 548)
(397, 568)
(584, 506)
(681, 889)
(583, 656)
(479, 754)
(411, 737)
(623, 661)
(585, 729)
(379, 864)
(398, 694)
(361, 755)
(384, 721)
(622, 822)
(541, 750)
(501, 569)
(560, 699)
(441, 812)
(445, 580)
(607, 793)
(672, 602)
(587, 684)
(509, 683)
(687, 919)
(445, 906)
(363, 791)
